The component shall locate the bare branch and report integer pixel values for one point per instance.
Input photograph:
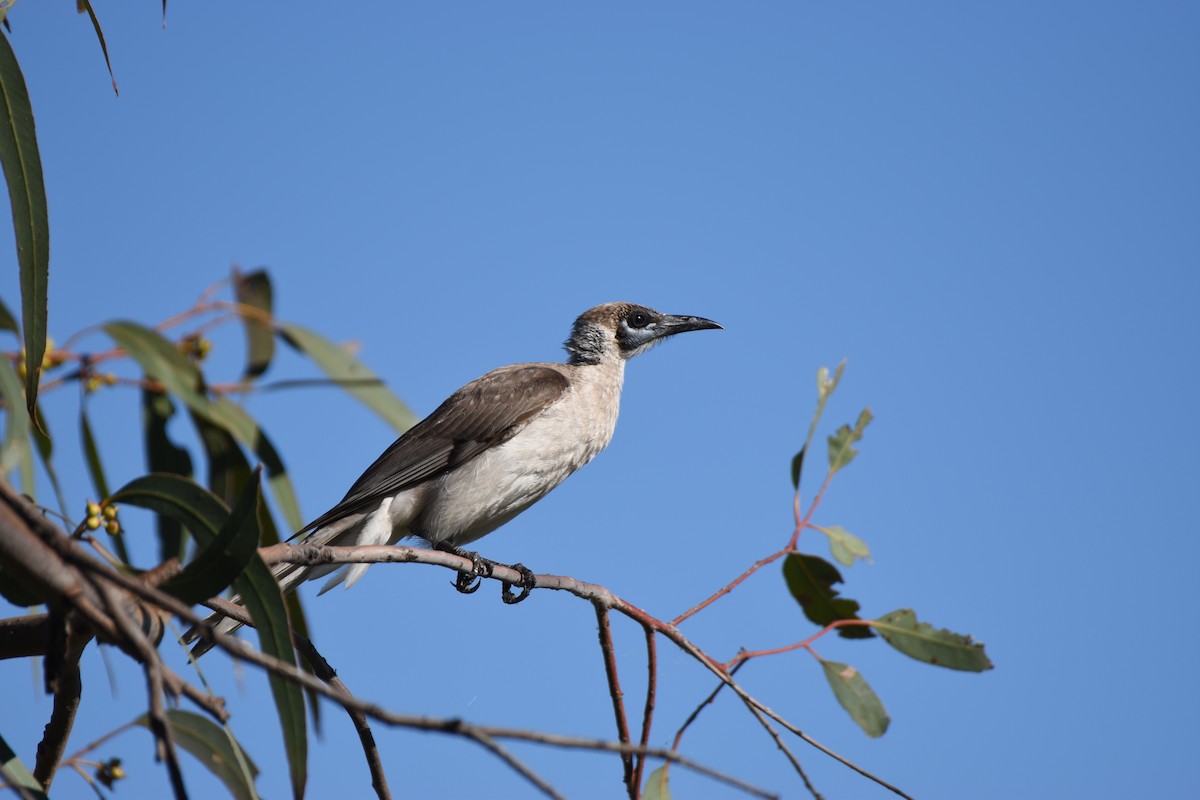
(514, 762)
(609, 655)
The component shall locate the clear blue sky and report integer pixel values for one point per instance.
(991, 211)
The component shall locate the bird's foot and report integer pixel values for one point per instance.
(527, 584)
(469, 582)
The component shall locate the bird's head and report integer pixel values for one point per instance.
(622, 330)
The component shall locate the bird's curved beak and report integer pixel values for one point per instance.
(672, 324)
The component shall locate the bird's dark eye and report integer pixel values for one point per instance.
(638, 319)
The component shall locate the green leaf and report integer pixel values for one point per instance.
(215, 748)
(798, 466)
(254, 290)
(856, 696)
(810, 580)
(7, 321)
(40, 434)
(220, 562)
(350, 373)
(262, 598)
(923, 642)
(27, 192)
(845, 546)
(14, 451)
(163, 455)
(86, 5)
(841, 450)
(204, 514)
(17, 774)
(91, 453)
(657, 787)
(163, 362)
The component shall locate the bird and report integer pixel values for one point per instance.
(491, 450)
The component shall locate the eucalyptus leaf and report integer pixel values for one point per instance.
(31, 224)
(922, 641)
(215, 748)
(810, 580)
(856, 696)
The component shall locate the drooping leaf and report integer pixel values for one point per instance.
(213, 747)
(7, 321)
(657, 785)
(14, 451)
(163, 455)
(845, 546)
(180, 498)
(857, 697)
(18, 775)
(810, 580)
(222, 560)
(825, 388)
(263, 600)
(923, 642)
(163, 362)
(91, 453)
(31, 224)
(351, 374)
(841, 444)
(86, 5)
(254, 290)
(44, 444)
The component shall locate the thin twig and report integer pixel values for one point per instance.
(618, 697)
(508, 758)
(325, 672)
(648, 712)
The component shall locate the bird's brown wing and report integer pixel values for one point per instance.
(486, 412)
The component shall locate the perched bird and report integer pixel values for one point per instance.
(492, 449)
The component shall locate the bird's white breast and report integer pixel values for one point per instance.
(503, 481)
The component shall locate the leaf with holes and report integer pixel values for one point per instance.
(810, 580)
(922, 641)
(841, 444)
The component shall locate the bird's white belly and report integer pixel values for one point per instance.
(480, 496)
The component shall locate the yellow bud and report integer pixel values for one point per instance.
(113, 527)
(92, 508)
(110, 512)
(93, 523)
(92, 384)
(109, 379)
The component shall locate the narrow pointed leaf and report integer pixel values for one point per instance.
(164, 455)
(350, 373)
(180, 498)
(86, 5)
(221, 561)
(213, 747)
(179, 376)
(810, 580)
(798, 467)
(939, 647)
(845, 546)
(39, 433)
(7, 321)
(254, 290)
(15, 447)
(841, 444)
(18, 775)
(263, 600)
(91, 453)
(657, 787)
(27, 192)
(856, 696)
